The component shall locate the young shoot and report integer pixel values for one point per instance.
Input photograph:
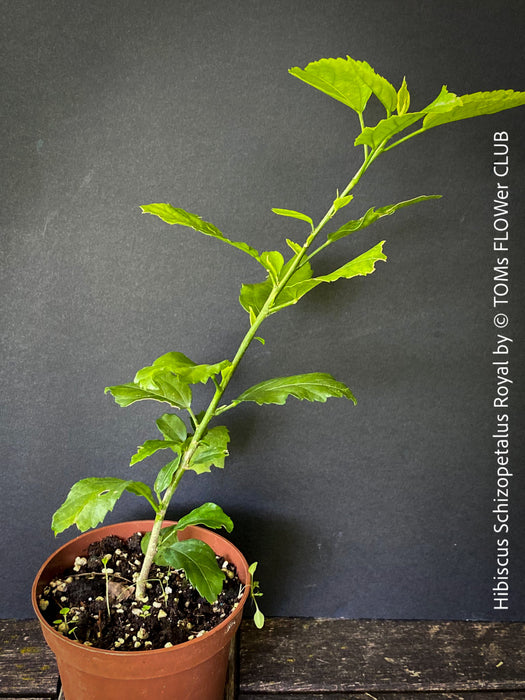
(62, 624)
(255, 593)
(106, 571)
(189, 434)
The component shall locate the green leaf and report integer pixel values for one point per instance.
(140, 489)
(166, 388)
(209, 514)
(362, 265)
(254, 296)
(187, 370)
(255, 593)
(165, 475)
(374, 214)
(172, 215)
(294, 246)
(374, 136)
(149, 448)
(174, 390)
(382, 89)
(403, 98)
(294, 215)
(126, 394)
(444, 102)
(341, 202)
(258, 619)
(172, 427)
(316, 386)
(211, 451)
(90, 500)
(475, 105)
(273, 261)
(199, 563)
(337, 77)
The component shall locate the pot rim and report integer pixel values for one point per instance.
(141, 525)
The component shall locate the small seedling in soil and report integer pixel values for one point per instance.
(146, 610)
(62, 623)
(255, 593)
(106, 572)
(194, 442)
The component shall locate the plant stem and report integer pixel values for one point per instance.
(405, 138)
(362, 124)
(154, 537)
(211, 411)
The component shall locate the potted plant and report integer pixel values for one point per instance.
(182, 554)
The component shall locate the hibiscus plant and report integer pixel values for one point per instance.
(194, 444)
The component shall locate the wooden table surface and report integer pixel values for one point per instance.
(307, 659)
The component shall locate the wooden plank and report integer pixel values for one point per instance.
(27, 665)
(230, 692)
(341, 656)
(302, 659)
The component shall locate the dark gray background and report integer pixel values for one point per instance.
(382, 510)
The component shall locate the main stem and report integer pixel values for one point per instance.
(229, 372)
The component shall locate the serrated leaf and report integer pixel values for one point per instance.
(211, 451)
(165, 475)
(374, 214)
(382, 89)
(338, 78)
(293, 215)
(172, 427)
(208, 514)
(316, 386)
(475, 105)
(254, 296)
(149, 447)
(141, 489)
(173, 215)
(166, 388)
(403, 98)
(294, 246)
(364, 264)
(187, 370)
(374, 136)
(198, 561)
(175, 390)
(340, 202)
(90, 500)
(444, 102)
(272, 261)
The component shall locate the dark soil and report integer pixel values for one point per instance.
(173, 613)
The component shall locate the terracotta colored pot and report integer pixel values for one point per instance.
(194, 670)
